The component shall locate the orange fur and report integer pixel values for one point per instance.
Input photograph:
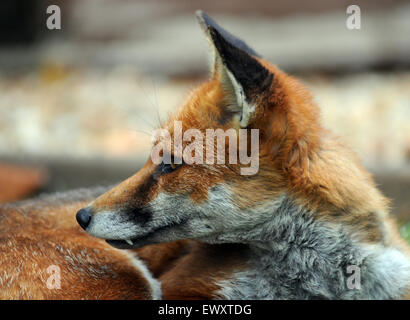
(195, 275)
(35, 235)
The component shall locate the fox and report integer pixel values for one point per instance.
(291, 231)
(309, 224)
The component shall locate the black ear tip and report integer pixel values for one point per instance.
(199, 13)
(203, 19)
(214, 31)
(202, 16)
(209, 26)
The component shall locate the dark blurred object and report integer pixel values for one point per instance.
(23, 22)
(17, 182)
(19, 21)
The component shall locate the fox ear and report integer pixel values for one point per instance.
(234, 62)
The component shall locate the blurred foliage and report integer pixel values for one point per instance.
(405, 231)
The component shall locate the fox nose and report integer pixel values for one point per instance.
(83, 217)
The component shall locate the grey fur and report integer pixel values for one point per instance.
(299, 257)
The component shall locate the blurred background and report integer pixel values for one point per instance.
(77, 104)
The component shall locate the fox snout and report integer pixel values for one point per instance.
(118, 227)
(83, 217)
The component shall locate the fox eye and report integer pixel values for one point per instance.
(169, 167)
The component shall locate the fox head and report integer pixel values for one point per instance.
(215, 202)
